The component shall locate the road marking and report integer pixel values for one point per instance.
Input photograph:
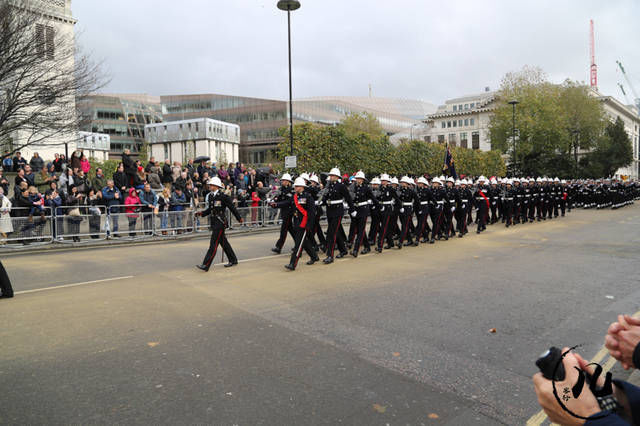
(540, 416)
(73, 285)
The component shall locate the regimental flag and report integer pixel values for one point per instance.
(449, 166)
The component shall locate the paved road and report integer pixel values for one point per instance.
(397, 338)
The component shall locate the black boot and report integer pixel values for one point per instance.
(312, 261)
(365, 250)
(290, 267)
(328, 260)
(276, 250)
(342, 254)
(230, 264)
(202, 268)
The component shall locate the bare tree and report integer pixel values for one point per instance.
(42, 72)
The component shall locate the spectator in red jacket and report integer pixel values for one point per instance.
(132, 209)
(255, 203)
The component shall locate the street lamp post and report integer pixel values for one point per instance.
(289, 5)
(576, 134)
(513, 135)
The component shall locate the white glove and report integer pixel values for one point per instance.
(354, 214)
(402, 210)
(453, 209)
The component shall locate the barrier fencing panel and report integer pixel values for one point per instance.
(25, 225)
(76, 223)
(175, 222)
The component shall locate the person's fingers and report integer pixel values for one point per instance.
(623, 322)
(570, 363)
(614, 328)
(611, 342)
(632, 321)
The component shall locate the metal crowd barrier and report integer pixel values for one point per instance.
(86, 223)
(26, 225)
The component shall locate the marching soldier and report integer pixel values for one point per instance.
(437, 213)
(407, 198)
(303, 219)
(363, 199)
(315, 189)
(283, 202)
(507, 203)
(533, 200)
(526, 200)
(337, 193)
(374, 228)
(425, 197)
(494, 196)
(217, 203)
(450, 208)
(388, 197)
(482, 204)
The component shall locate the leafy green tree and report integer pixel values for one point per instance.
(613, 150)
(553, 123)
(367, 123)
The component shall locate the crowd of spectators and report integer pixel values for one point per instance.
(62, 191)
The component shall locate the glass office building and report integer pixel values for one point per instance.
(122, 117)
(261, 119)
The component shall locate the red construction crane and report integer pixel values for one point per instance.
(594, 67)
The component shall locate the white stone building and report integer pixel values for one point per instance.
(55, 23)
(185, 139)
(94, 145)
(629, 115)
(461, 122)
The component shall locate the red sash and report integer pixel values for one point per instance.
(303, 224)
(485, 198)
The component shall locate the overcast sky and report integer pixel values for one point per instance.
(417, 49)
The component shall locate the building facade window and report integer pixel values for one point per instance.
(455, 123)
(472, 121)
(448, 124)
(440, 138)
(463, 140)
(444, 125)
(466, 106)
(455, 107)
(452, 137)
(473, 105)
(475, 140)
(427, 139)
(459, 123)
(45, 41)
(466, 121)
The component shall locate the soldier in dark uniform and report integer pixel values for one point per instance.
(6, 291)
(517, 200)
(564, 195)
(437, 212)
(283, 201)
(217, 203)
(408, 198)
(334, 198)
(507, 203)
(374, 228)
(450, 208)
(363, 199)
(494, 196)
(461, 207)
(388, 196)
(526, 200)
(303, 218)
(425, 198)
(482, 204)
(533, 199)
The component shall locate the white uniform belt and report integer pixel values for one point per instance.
(407, 204)
(465, 201)
(440, 202)
(480, 198)
(332, 202)
(424, 203)
(365, 203)
(528, 195)
(508, 198)
(387, 203)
